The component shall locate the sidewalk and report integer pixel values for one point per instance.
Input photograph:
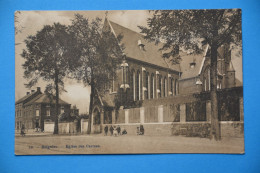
(32, 133)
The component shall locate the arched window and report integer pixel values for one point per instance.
(152, 87)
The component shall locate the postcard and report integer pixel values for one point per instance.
(128, 82)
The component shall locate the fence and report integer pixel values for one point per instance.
(188, 115)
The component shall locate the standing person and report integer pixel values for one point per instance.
(118, 130)
(141, 129)
(111, 130)
(22, 130)
(106, 130)
(115, 132)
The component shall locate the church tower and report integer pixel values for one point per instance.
(230, 77)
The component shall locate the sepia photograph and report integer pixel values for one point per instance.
(128, 82)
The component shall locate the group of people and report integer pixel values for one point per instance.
(114, 130)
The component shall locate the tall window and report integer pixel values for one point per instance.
(133, 79)
(146, 84)
(165, 87)
(48, 110)
(152, 87)
(160, 86)
(209, 77)
(138, 86)
(176, 87)
(62, 109)
(37, 113)
(172, 85)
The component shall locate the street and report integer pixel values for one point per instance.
(99, 144)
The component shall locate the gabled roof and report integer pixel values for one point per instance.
(43, 98)
(27, 97)
(187, 59)
(150, 54)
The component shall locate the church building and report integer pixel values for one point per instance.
(149, 89)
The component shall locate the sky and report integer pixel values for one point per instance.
(29, 22)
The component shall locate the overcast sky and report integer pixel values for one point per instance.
(32, 21)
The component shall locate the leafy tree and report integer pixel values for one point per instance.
(190, 29)
(100, 55)
(50, 55)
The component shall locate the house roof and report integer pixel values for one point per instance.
(27, 97)
(43, 98)
(150, 54)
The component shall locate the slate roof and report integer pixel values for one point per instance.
(26, 97)
(186, 59)
(43, 98)
(150, 54)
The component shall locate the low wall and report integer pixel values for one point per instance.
(67, 127)
(232, 129)
(189, 129)
(84, 125)
(49, 127)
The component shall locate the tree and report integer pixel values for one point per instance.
(50, 55)
(100, 55)
(190, 29)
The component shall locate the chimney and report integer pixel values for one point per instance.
(140, 44)
(27, 93)
(38, 89)
(32, 91)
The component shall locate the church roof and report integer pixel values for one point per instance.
(150, 54)
(187, 59)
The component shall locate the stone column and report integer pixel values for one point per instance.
(141, 115)
(208, 110)
(160, 114)
(241, 105)
(183, 113)
(126, 116)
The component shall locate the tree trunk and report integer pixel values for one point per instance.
(56, 129)
(215, 129)
(91, 105)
